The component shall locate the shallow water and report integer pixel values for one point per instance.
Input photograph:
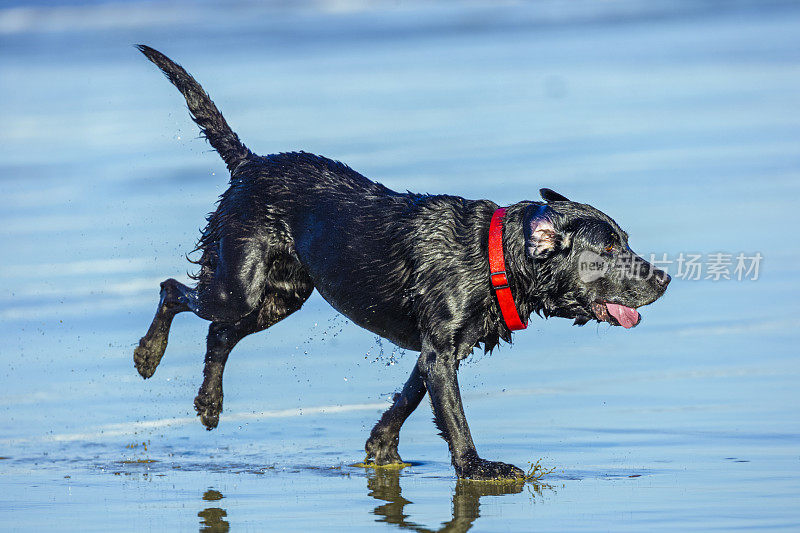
(678, 119)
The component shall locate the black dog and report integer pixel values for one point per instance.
(411, 268)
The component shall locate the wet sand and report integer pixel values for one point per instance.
(679, 120)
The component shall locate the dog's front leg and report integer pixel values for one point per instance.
(383, 440)
(438, 366)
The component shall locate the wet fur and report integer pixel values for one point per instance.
(412, 268)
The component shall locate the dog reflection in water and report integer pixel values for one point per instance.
(212, 519)
(384, 485)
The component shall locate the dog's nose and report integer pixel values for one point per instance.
(662, 279)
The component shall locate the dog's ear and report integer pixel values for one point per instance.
(541, 237)
(549, 195)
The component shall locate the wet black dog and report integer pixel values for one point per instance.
(411, 268)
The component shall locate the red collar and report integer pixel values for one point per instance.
(497, 267)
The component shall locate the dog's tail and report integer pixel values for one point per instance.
(204, 112)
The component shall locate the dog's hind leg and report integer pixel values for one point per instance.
(219, 343)
(233, 279)
(382, 444)
(175, 298)
(286, 295)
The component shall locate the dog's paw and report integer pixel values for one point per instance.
(382, 451)
(481, 469)
(208, 409)
(147, 356)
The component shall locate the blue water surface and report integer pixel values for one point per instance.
(679, 119)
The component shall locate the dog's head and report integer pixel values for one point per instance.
(583, 267)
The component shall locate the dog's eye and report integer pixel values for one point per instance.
(609, 248)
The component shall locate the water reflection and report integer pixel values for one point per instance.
(384, 485)
(212, 519)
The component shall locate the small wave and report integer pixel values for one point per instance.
(131, 428)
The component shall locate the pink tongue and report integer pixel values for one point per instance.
(626, 316)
